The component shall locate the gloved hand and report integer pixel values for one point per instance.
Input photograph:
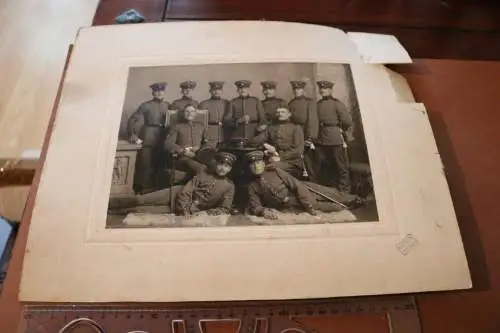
(269, 214)
(133, 138)
(274, 159)
(188, 152)
(262, 128)
(269, 148)
(194, 207)
(309, 144)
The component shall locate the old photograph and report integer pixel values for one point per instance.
(241, 145)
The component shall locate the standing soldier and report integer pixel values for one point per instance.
(245, 115)
(216, 107)
(305, 114)
(334, 120)
(146, 125)
(186, 91)
(271, 102)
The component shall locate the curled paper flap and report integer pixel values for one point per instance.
(379, 49)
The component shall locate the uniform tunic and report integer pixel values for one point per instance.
(334, 117)
(184, 135)
(147, 123)
(304, 113)
(277, 189)
(288, 140)
(216, 107)
(239, 107)
(270, 106)
(180, 104)
(206, 191)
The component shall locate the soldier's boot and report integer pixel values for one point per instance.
(123, 202)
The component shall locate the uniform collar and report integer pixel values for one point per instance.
(327, 98)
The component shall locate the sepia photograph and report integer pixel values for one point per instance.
(240, 145)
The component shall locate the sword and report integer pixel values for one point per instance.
(172, 179)
(325, 196)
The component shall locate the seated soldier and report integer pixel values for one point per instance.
(277, 189)
(185, 139)
(283, 142)
(210, 191)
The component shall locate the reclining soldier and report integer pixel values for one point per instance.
(274, 188)
(210, 191)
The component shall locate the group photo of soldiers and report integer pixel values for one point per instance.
(252, 148)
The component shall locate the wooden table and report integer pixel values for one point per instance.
(462, 99)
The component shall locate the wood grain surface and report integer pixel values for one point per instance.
(34, 38)
(462, 101)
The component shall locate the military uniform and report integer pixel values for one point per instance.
(304, 113)
(147, 123)
(244, 106)
(181, 103)
(184, 135)
(216, 108)
(334, 119)
(288, 140)
(206, 191)
(271, 104)
(275, 188)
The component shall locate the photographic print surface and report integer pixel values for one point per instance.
(240, 145)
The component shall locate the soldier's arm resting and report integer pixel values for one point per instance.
(304, 197)
(254, 203)
(259, 139)
(171, 142)
(135, 121)
(183, 199)
(227, 199)
(344, 116)
(297, 147)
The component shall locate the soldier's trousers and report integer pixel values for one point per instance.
(336, 158)
(160, 197)
(146, 167)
